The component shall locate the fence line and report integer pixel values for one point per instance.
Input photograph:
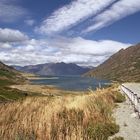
(133, 97)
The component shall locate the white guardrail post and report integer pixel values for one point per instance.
(133, 97)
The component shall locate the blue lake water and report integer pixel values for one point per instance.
(76, 83)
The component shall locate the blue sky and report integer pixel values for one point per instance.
(73, 31)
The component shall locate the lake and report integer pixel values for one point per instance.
(75, 83)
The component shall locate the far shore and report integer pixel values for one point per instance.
(40, 78)
(30, 76)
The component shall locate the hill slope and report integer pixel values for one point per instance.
(54, 69)
(9, 75)
(124, 66)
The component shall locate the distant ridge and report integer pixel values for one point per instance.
(54, 69)
(124, 66)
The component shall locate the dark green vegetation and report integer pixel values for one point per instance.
(9, 76)
(5, 82)
(119, 98)
(124, 66)
(9, 94)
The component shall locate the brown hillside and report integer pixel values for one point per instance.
(124, 66)
(9, 75)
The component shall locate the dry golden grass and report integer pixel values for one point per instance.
(45, 90)
(79, 117)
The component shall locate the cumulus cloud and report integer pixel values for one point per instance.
(10, 11)
(118, 11)
(72, 14)
(5, 46)
(11, 35)
(69, 50)
(86, 52)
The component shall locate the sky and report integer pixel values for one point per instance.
(85, 32)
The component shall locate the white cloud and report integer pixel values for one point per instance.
(5, 46)
(70, 50)
(10, 11)
(72, 14)
(11, 35)
(118, 11)
(29, 22)
(87, 52)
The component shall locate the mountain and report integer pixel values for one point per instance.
(124, 66)
(9, 75)
(54, 69)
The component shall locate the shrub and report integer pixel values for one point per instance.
(101, 130)
(119, 98)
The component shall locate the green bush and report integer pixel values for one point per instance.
(101, 130)
(119, 98)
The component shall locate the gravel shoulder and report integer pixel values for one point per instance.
(128, 121)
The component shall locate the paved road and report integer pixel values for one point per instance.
(127, 119)
(135, 87)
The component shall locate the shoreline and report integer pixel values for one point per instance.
(41, 78)
(46, 90)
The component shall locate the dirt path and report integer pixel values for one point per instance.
(128, 121)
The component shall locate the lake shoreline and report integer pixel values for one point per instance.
(45, 90)
(70, 83)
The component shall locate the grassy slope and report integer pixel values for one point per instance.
(123, 66)
(8, 94)
(9, 76)
(13, 94)
(66, 117)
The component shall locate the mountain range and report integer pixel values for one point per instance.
(52, 69)
(123, 66)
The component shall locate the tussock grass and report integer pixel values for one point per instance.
(79, 117)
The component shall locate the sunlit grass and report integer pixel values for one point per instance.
(87, 117)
